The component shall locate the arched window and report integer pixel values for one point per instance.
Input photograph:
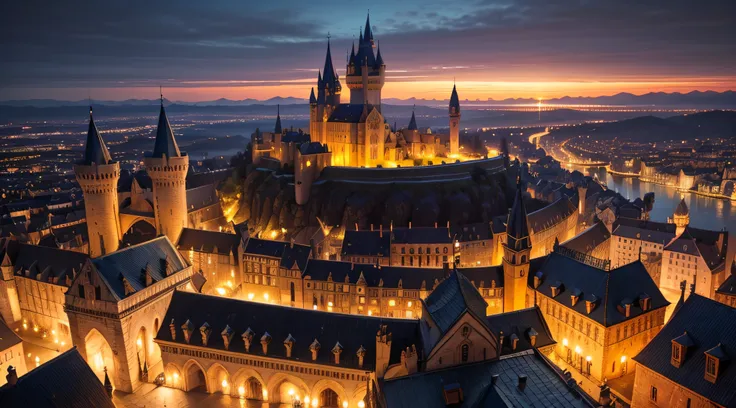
(523, 259)
(465, 350)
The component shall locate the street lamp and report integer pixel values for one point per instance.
(589, 360)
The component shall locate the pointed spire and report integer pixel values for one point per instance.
(165, 141)
(682, 208)
(352, 55)
(330, 77)
(368, 34)
(312, 98)
(277, 128)
(108, 384)
(95, 150)
(379, 59)
(517, 228)
(413, 121)
(454, 102)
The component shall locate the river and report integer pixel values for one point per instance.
(705, 212)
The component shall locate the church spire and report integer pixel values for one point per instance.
(165, 142)
(454, 102)
(330, 77)
(413, 121)
(312, 98)
(368, 33)
(517, 228)
(95, 150)
(277, 128)
(379, 59)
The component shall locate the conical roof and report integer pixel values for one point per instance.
(517, 228)
(379, 58)
(454, 101)
(312, 98)
(682, 208)
(95, 150)
(412, 122)
(330, 77)
(165, 141)
(277, 128)
(368, 33)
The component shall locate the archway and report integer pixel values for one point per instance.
(99, 355)
(195, 379)
(285, 389)
(219, 379)
(140, 231)
(328, 398)
(248, 384)
(173, 377)
(142, 351)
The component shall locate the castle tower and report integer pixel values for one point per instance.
(98, 176)
(168, 168)
(314, 121)
(330, 81)
(582, 193)
(277, 128)
(376, 70)
(516, 254)
(454, 123)
(681, 217)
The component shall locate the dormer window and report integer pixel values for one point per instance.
(680, 344)
(590, 303)
(714, 358)
(453, 394)
(537, 279)
(645, 302)
(556, 288)
(625, 307)
(575, 296)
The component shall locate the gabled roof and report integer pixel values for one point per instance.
(608, 288)
(728, 287)
(550, 215)
(348, 113)
(48, 261)
(288, 253)
(95, 150)
(66, 381)
(368, 243)
(545, 387)
(304, 326)
(708, 323)
(523, 323)
(589, 239)
(451, 298)
(131, 264)
(8, 338)
(208, 241)
(165, 142)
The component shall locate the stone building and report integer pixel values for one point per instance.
(272, 270)
(688, 363)
(726, 293)
(116, 305)
(257, 351)
(215, 255)
(11, 353)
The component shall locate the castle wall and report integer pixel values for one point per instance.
(99, 184)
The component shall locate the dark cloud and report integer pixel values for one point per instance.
(102, 43)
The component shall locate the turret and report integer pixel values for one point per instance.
(98, 176)
(516, 254)
(361, 60)
(681, 217)
(277, 128)
(412, 122)
(454, 123)
(168, 168)
(330, 80)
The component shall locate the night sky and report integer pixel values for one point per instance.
(204, 50)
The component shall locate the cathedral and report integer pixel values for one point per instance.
(356, 133)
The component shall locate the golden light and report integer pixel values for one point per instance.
(296, 397)
(25, 326)
(251, 296)
(139, 342)
(588, 359)
(176, 377)
(265, 296)
(314, 307)
(361, 404)
(35, 329)
(370, 313)
(315, 402)
(168, 379)
(306, 399)
(224, 384)
(229, 284)
(344, 404)
(330, 304)
(457, 244)
(392, 302)
(309, 163)
(63, 343)
(53, 332)
(56, 341)
(265, 395)
(38, 361)
(623, 359)
(409, 303)
(273, 234)
(564, 342)
(291, 391)
(578, 350)
(220, 291)
(283, 230)
(241, 391)
(232, 273)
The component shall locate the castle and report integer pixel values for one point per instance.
(354, 134)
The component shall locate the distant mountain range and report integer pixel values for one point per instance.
(710, 99)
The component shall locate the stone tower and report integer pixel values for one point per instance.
(582, 193)
(681, 217)
(98, 176)
(516, 254)
(364, 63)
(315, 122)
(454, 123)
(168, 168)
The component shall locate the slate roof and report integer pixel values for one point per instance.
(707, 323)
(545, 387)
(312, 148)
(285, 251)
(45, 263)
(165, 142)
(295, 137)
(8, 338)
(66, 381)
(304, 325)
(451, 298)
(649, 231)
(728, 287)
(348, 113)
(454, 100)
(368, 243)
(208, 241)
(472, 232)
(588, 239)
(610, 288)
(520, 323)
(421, 235)
(95, 150)
(552, 214)
(682, 208)
(202, 196)
(131, 263)
(312, 98)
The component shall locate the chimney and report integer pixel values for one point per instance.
(494, 379)
(12, 376)
(356, 227)
(371, 227)
(522, 382)
(409, 224)
(380, 229)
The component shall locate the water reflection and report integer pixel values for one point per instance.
(705, 212)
